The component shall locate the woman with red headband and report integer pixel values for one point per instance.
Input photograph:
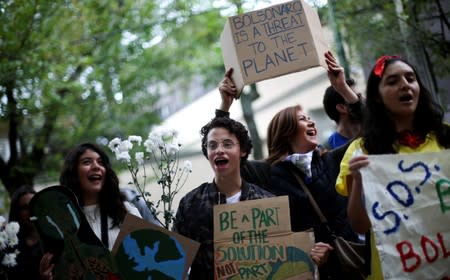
(400, 117)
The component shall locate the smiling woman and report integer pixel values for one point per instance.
(87, 172)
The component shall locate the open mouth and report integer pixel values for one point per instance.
(311, 132)
(406, 98)
(220, 161)
(94, 178)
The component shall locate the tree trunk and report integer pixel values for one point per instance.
(249, 116)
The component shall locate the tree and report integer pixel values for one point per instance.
(94, 70)
(67, 76)
(419, 29)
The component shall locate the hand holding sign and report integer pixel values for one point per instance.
(228, 91)
(271, 42)
(408, 202)
(253, 240)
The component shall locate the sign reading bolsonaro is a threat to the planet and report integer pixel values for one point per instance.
(253, 240)
(271, 42)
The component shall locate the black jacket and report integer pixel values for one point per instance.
(194, 219)
(325, 169)
(322, 187)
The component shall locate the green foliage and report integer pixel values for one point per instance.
(369, 27)
(73, 71)
(418, 32)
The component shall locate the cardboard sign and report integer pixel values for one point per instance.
(271, 42)
(407, 198)
(66, 234)
(253, 240)
(145, 251)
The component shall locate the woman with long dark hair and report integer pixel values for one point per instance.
(401, 117)
(87, 172)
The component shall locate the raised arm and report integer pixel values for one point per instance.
(228, 91)
(336, 76)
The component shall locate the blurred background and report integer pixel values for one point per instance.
(75, 71)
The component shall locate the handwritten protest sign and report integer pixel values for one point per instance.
(271, 42)
(408, 202)
(145, 251)
(253, 240)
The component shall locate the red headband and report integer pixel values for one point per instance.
(379, 65)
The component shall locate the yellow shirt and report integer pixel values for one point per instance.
(430, 145)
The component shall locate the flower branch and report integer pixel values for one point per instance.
(161, 151)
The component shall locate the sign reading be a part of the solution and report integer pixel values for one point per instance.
(253, 240)
(271, 42)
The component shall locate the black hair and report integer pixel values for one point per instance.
(332, 98)
(379, 131)
(14, 209)
(234, 127)
(110, 197)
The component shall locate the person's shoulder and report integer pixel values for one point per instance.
(256, 172)
(129, 193)
(280, 168)
(132, 209)
(203, 190)
(256, 165)
(338, 151)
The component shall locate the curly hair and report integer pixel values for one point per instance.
(281, 130)
(379, 131)
(234, 127)
(110, 197)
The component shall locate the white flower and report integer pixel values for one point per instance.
(155, 134)
(134, 138)
(12, 228)
(125, 146)
(153, 143)
(161, 149)
(9, 259)
(168, 133)
(175, 142)
(123, 156)
(8, 241)
(13, 241)
(172, 149)
(139, 156)
(187, 166)
(3, 240)
(114, 144)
